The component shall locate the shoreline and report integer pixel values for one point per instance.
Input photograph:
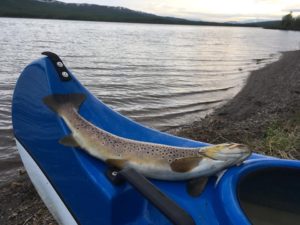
(269, 102)
(271, 95)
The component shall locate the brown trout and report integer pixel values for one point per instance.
(153, 160)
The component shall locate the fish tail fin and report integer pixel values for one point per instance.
(56, 101)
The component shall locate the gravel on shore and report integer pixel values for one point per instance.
(271, 94)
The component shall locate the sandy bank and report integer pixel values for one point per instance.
(271, 94)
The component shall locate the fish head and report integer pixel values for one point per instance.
(229, 153)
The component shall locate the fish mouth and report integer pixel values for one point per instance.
(227, 152)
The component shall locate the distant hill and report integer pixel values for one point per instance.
(267, 24)
(52, 9)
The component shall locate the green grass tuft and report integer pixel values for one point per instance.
(282, 139)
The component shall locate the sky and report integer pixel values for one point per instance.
(210, 10)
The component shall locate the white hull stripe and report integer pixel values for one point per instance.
(44, 188)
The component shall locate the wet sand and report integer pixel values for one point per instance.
(271, 94)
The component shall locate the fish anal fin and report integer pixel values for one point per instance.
(69, 141)
(119, 163)
(196, 186)
(183, 165)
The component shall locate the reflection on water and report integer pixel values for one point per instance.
(161, 75)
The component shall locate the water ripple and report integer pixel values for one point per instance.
(162, 76)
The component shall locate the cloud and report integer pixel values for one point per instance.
(267, 1)
(212, 10)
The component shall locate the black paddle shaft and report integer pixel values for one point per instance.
(169, 208)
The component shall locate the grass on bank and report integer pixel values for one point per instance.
(281, 139)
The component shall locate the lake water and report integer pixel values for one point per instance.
(163, 76)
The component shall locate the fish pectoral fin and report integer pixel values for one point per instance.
(69, 141)
(210, 151)
(182, 165)
(196, 186)
(119, 163)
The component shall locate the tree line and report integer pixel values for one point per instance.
(289, 22)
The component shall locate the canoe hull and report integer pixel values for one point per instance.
(74, 185)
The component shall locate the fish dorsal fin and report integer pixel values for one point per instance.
(196, 186)
(119, 163)
(186, 164)
(69, 141)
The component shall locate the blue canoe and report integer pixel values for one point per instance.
(77, 190)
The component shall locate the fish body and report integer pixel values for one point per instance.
(153, 160)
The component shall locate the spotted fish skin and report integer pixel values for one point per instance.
(152, 160)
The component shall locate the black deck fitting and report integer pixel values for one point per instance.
(59, 66)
